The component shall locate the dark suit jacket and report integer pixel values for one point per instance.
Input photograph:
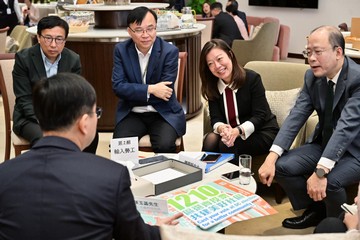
(252, 106)
(346, 112)
(55, 191)
(225, 28)
(129, 88)
(28, 69)
(242, 15)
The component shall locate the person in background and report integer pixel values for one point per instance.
(10, 14)
(346, 222)
(241, 15)
(239, 112)
(315, 175)
(144, 72)
(231, 8)
(206, 12)
(30, 14)
(47, 58)
(224, 26)
(55, 191)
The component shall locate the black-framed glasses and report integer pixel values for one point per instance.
(48, 40)
(140, 31)
(318, 52)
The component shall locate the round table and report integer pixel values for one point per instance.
(112, 16)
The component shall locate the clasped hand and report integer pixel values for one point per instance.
(228, 135)
(161, 90)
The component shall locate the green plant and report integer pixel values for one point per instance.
(197, 5)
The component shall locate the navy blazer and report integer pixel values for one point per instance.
(346, 112)
(128, 86)
(55, 191)
(28, 69)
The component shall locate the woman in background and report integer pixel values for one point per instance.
(239, 112)
(30, 14)
(10, 14)
(206, 13)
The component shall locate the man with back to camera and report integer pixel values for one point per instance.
(48, 57)
(224, 26)
(145, 69)
(55, 191)
(240, 14)
(318, 171)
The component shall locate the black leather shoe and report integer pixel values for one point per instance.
(310, 218)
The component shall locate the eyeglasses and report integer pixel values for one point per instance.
(58, 40)
(140, 31)
(98, 112)
(318, 52)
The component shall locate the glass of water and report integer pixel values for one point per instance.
(245, 169)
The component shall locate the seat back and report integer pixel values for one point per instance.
(20, 34)
(3, 34)
(6, 87)
(179, 83)
(206, 33)
(279, 76)
(260, 48)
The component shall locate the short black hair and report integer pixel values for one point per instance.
(138, 14)
(232, 7)
(61, 99)
(216, 5)
(51, 22)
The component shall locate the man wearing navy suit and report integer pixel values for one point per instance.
(55, 191)
(145, 69)
(318, 172)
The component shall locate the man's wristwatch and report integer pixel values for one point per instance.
(320, 173)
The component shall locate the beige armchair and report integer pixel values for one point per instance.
(260, 48)
(282, 81)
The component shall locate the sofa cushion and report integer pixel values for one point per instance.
(281, 102)
(178, 233)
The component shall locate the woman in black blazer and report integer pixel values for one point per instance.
(248, 127)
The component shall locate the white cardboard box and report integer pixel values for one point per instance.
(161, 177)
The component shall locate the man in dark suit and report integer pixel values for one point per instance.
(318, 172)
(55, 191)
(224, 27)
(44, 59)
(145, 69)
(241, 15)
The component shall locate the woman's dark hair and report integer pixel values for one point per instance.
(61, 99)
(51, 22)
(209, 89)
(202, 8)
(138, 14)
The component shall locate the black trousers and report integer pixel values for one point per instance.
(162, 134)
(32, 133)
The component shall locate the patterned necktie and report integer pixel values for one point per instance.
(328, 121)
(230, 107)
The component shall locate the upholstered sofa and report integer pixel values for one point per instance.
(281, 47)
(178, 233)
